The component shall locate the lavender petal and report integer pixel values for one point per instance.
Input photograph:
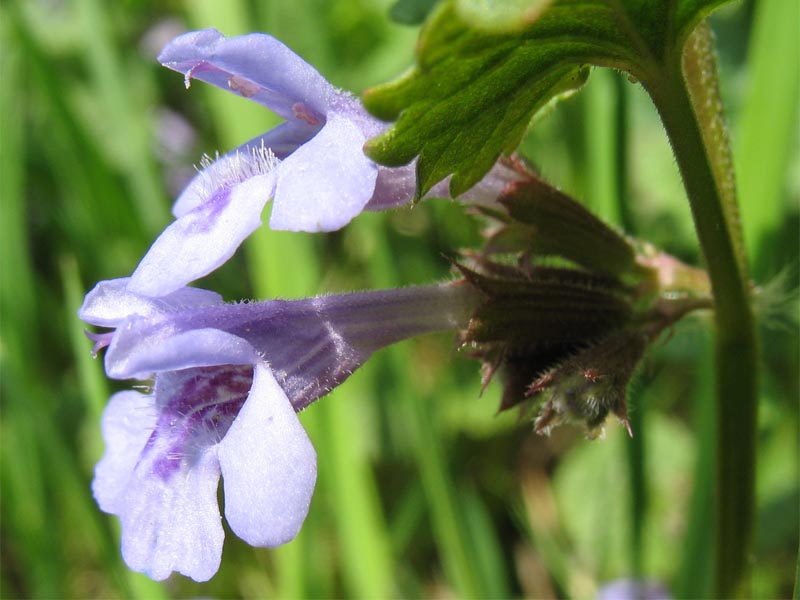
(138, 357)
(204, 238)
(281, 141)
(160, 472)
(269, 467)
(174, 525)
(256, 66)
(128, 420)
(326, 182)
(111, 302)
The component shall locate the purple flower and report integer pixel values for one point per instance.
(312, 166)
(229, 379)
(324, 179)
(164, 455)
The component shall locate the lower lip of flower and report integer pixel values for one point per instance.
(199, 406)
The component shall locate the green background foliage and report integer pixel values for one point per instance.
(423, 490)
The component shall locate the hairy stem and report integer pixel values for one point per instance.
(687, 100)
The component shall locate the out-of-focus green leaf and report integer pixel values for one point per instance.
(411, 12)
(474, 90)
(502, 15)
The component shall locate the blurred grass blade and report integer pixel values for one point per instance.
(447, 511)
(620, 214)
(24, 508)
(796, 594)
(637, 477)
(695, 577)
(488, 556)
(767, 127)
(94, 392)
(447, 520)
(539, 514)
(125, 123)
(367, 565)
(622, 157)
(92, 381)
(599, 99)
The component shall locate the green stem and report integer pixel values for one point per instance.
(708, 183)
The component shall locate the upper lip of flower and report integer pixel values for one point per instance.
(318, 176)
(312, 166)
(264, 70)
(256, 66)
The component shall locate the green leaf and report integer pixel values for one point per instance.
(480, 77)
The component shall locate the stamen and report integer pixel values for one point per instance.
(301, 111)
(187, 77)
(245, 87)
(101, 340)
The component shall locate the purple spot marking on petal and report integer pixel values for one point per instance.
(210, 210)
(195, 415)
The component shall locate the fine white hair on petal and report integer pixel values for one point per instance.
(281, 141)
(224, 172)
